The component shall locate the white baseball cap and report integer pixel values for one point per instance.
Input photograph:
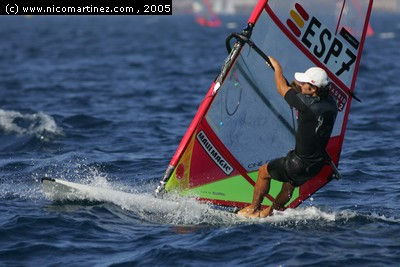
(316, 76)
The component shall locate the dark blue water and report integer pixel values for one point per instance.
(106, 100)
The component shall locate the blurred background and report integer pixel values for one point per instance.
(105, 100)
(238, 6)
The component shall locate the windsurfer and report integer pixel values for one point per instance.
(317, 110)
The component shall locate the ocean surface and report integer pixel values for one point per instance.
(106, 100)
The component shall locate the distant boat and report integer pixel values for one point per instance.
(370, 31)
(204, 14)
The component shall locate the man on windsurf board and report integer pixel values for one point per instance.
(317, 110)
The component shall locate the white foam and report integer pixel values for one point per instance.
(11, 189)
(98, 179)
(304, 215)
(177, 210)
(33, 124)
(382, 217)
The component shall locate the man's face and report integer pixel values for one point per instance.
(307, 89)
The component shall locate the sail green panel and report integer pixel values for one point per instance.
(172, 182)
(236, 189)
(275, 189)
(231, 189)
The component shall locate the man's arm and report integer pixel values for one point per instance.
(279, 78)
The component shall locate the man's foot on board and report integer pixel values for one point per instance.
(252, 215)
(266, 212)
(249, 212)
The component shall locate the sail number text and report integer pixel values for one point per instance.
(329, 49)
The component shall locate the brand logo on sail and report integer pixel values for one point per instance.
(213, 153)
(338, 55)
(339, 95)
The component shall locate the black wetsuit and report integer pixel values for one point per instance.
(316, 117)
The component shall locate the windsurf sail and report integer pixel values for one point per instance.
(204, 14)
(243, 122)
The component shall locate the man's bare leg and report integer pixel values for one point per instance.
(260, 189)
(283, 197)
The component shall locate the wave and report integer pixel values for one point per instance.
(13, 189)
(85, 121)
(36, 124)
(186, 211)
(140, 203)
